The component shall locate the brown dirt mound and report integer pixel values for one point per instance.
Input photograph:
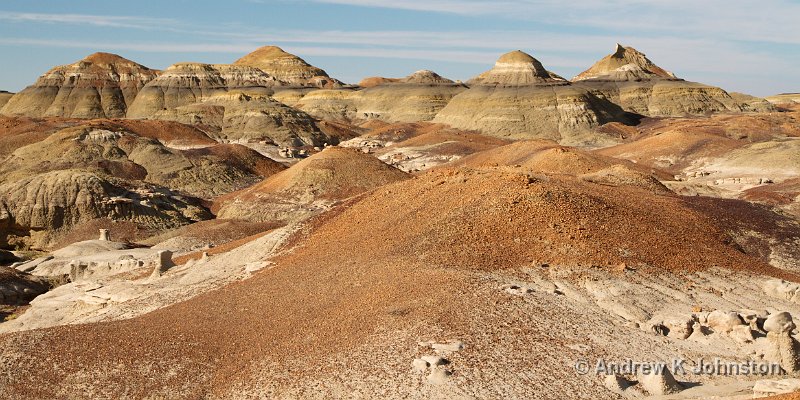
(486, 214)
(619, 175)
(452, 142)
(167, 132)
(339, 131)
(333, 174)
(545, 156)
(673, 151)
(757, 228)
(16, 132)
(391, 259)
(778, 194)
(398, 132)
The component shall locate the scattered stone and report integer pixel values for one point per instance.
(754, 318)
(104, 235)
(741, 334)
(781, 289)
(698, 331)
(723, 321)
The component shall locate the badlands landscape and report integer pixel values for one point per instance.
(261, 229)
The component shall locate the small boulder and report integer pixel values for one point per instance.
(779, 322)
(741, 334)
(698, 331)
(723, 321)
(419, 365)
(754, 318)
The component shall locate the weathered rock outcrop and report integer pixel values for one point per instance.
(100, 85)
(237, 116)
(289, 69)
(18, 288)
(628, 78)
(205, 173)
(187, 83)
(519, 99)
(32, 208)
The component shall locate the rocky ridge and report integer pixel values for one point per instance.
(628, 78)
(519, 99)
(287, 68)
(102, 85)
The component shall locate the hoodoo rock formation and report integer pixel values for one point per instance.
(100, 85)
(628, 78)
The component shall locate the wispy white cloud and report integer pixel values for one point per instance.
(86, 19)
(475, 57)
(765, 20)
(697, 40)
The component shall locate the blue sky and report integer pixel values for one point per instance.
(747, 46)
